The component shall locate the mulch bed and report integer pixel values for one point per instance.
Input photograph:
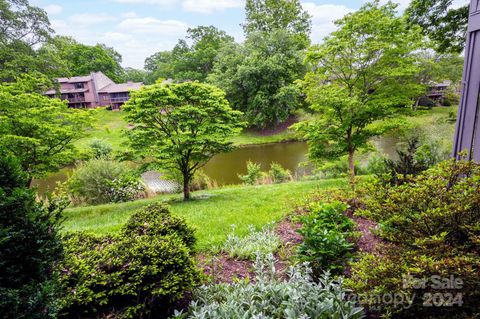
(223, 268)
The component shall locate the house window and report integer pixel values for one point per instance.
(78, 85)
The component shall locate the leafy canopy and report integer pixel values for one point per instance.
(182, 126)
(266, 16)
(189, 62)
(442, 22)
(259, 75)
(359, 75)
(37, 129)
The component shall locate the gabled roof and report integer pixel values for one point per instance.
(75, 79)
(122, 87)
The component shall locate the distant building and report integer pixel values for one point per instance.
(438, 91)
(93, 90)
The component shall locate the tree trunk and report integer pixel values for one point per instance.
(351, 167)
(186, 187)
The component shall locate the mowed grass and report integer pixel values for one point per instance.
(212, 215)
(110, 126)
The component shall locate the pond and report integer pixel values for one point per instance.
(225, 168)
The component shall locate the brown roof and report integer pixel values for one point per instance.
(122, 87)
(75, 79)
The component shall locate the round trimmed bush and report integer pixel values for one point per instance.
(140, 273)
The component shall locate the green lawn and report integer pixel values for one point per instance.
(212, 216)
(110, 125)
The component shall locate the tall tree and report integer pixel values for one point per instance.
(159, 66)
(259, 77)
(181, 126)
(30, 245)
(81, 59)
(269, 15)
(361, 73)
(135, 75)
(443, 22)
(38, 130)
(22, 28)
(189, 62)
(19, 21)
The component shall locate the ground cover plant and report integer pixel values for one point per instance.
(431, 227)
(269, 297)
(327, 237)
(262, 242)
(140, 272)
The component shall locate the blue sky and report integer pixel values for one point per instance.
(139, 28)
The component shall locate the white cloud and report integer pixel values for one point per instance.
(152, 2)
(89, 19)
(152, 25)
(208, 6)
(53, 9)
(323, 17)
(129, 14)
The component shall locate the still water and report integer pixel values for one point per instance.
(225, 168)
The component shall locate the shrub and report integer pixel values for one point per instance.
(377, 164)
(30, 245)
(254, 174)
(278, 174)
(101, 181)
(255, 243)
(433, 226)
(426, 102)
(139, 273)
(125, 188)
(100, 149)
(326, 232)
(297, 297)
(440, 206)
(202, 181)
(156, 220)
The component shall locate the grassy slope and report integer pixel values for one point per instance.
(109, 126)
(213, 216)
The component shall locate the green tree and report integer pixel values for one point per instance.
(259, 76)
(443, 23)
(189, 62)
(159, 66)
(22, 28)
(362, 73)
(38, 130)
(267, 16)
(30, 245)
(19, 21)
(82, 59)
(135, 75)
(182, 126)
